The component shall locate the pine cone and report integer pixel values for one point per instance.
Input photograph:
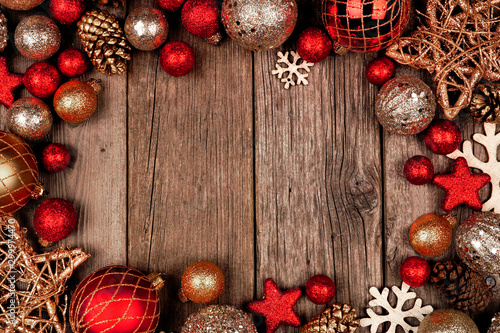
(104, 42)
(485, 105)
(4, 36)
(495, 324)
(114, 3)
(339, 318)
(463, 288)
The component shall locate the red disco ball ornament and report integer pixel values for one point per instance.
(116, 299)
(365, 25)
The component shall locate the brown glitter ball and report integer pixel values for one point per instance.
(219, 319)
(447, 321)
(30, 118)
(37, 37)
(431, 235)
(76, 101)
(202, 282)
(20, 4)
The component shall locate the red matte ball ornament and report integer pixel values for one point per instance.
(415, 271)
(320, 289)
(67, 11)
(42, 79)
(314, 45)
(419, 170)
(55, 157)
(54, 220)
(443, 137)
(380, 70)
(72, 62)
(177, 58)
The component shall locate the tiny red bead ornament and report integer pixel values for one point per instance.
(67, 11)
(10, 82)
(55, 157)
(380, 70)
(177, 58)
(314, 45)
(170, 5)
(320, 289)
(54, 220)
(201, 18)
(72, 62)
(419, 170)
(277, 306)
(415, 271)
(443, 137)
(461, 186)
(42, 79)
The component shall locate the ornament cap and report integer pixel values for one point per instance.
(38, 191)
(156, 280)
(182, 296)
(95, 84)
(44, 243)
(215, 39)
(452, 219)
(339, 49)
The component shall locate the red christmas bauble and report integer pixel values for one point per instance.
(380, 70)
(116, 299)
(415, 271)
(320, 289)
(55, 157)
(170, 5)
(314, 45)
(177, 58)
(443, 137)
(419, 170)
(54, 220)
(201, 18)
(72, 62)
(365, 25)
(67, 11)
(42, 79)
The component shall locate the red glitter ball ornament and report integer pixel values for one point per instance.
(10, 82)
(201, 18)
(415, 271)
(177, 58)
(380, 70)
(314, 45)
(277, 306)
(54, 220)
(55, 157)
(67, 11)
(42, 79)
(72, 62)
(116, 299)
(170, 5)
(419, 170)
(443, 137)
(320, 289)
(462, 186)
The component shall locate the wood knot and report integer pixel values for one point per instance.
(364, 194)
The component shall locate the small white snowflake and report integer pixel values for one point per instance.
(293, 68)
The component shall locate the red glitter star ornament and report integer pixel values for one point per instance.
(462, 186)
(277, 306)
(10, 82)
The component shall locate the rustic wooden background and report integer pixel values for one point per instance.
(225, 165)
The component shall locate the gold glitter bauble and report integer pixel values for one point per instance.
(76, 101)
(259, 25)
(30, 118)
(431, 235)
(478, 242)
(447, 321)
(405, 105)
(146, 28)
(219, 319)
(20, 4)
(37, 37)
(202, 282)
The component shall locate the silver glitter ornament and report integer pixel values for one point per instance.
(259, 25)
(219, 319)
(447, 321)
(495, 324)
(478, 242)
(146, 28)
(37, 37)
(30, 118)
(20, 4)
(405, 105)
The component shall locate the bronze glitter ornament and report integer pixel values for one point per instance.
(21, 4)
(447, 321)
(37, 37)
(431, 234)
(4, 33)
(405, 105)
(478, 243)
(30, 118)
(18, 174)
(259, 25)
(495, 324)
(219, 319)
(146, 28)
(76, 101)
(202, 282)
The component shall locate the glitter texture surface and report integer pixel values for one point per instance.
(405, 105)
(202, 282)
(20, 4)
(37, 37)
(219, 319)
(447, 321)
(259, 25)
(431, 235)
(478, 242)
(146, 28)
(75, 101)
(30, 118)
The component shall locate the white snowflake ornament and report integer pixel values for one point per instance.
(396, 315)
(490, 141)
(295, 76)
